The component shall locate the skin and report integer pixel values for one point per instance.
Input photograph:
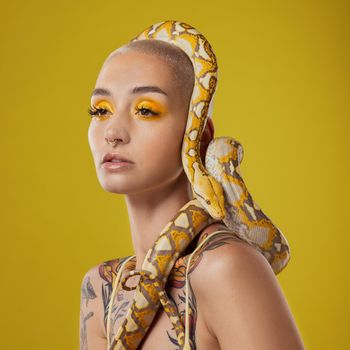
(153, 193)
(235, 298)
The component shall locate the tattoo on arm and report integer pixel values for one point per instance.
(87, 293)
(83, 332)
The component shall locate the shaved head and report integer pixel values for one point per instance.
(178, 61)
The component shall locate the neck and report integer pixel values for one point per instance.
(151, 210)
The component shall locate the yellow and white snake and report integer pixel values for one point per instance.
(219, 194)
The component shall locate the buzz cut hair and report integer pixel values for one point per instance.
(178, 61)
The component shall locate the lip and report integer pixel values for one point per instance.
(116, 167)
(108, 157)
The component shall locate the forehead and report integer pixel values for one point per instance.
(127, 69)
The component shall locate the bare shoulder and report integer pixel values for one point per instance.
(224, 250)
(215, 243)
(222, 253)
(226, 259)
(96, 288)
(238, 294)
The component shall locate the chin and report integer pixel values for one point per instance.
(115, 183)
(116, 188)
(127, 183)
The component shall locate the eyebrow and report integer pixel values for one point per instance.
(135, 90)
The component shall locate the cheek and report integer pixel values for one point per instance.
(91, 138)
(94, 140)
(162, 148)
(165, 148)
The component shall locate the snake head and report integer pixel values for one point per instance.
(209, 193)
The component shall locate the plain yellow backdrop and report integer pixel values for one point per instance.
(282, 92)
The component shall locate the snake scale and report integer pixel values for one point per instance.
(219, 194)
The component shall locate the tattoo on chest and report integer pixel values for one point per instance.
(192, 316)
(108, 271)
(176, 281)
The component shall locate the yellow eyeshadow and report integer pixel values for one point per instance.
(153, 105)
(104, 104)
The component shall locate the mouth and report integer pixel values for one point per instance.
(115, 158)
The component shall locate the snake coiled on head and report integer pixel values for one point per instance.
(219, 194)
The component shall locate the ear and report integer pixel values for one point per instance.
(207, 136)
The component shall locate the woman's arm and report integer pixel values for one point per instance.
(242, 302)
(92, 335)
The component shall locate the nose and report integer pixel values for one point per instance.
(116, 130)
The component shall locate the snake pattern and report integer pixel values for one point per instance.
(219, 195)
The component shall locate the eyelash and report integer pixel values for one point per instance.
(96, 112)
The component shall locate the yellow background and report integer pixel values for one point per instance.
(283, 92)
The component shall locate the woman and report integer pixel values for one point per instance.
(140, 107)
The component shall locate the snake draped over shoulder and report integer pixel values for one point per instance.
(219, 194)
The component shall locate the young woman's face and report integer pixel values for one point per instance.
(147, 125)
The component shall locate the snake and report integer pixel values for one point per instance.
(219, 195)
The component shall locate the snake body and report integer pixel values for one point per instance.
(219, 193)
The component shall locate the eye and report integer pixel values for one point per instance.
(97, 111)
(145, 111)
